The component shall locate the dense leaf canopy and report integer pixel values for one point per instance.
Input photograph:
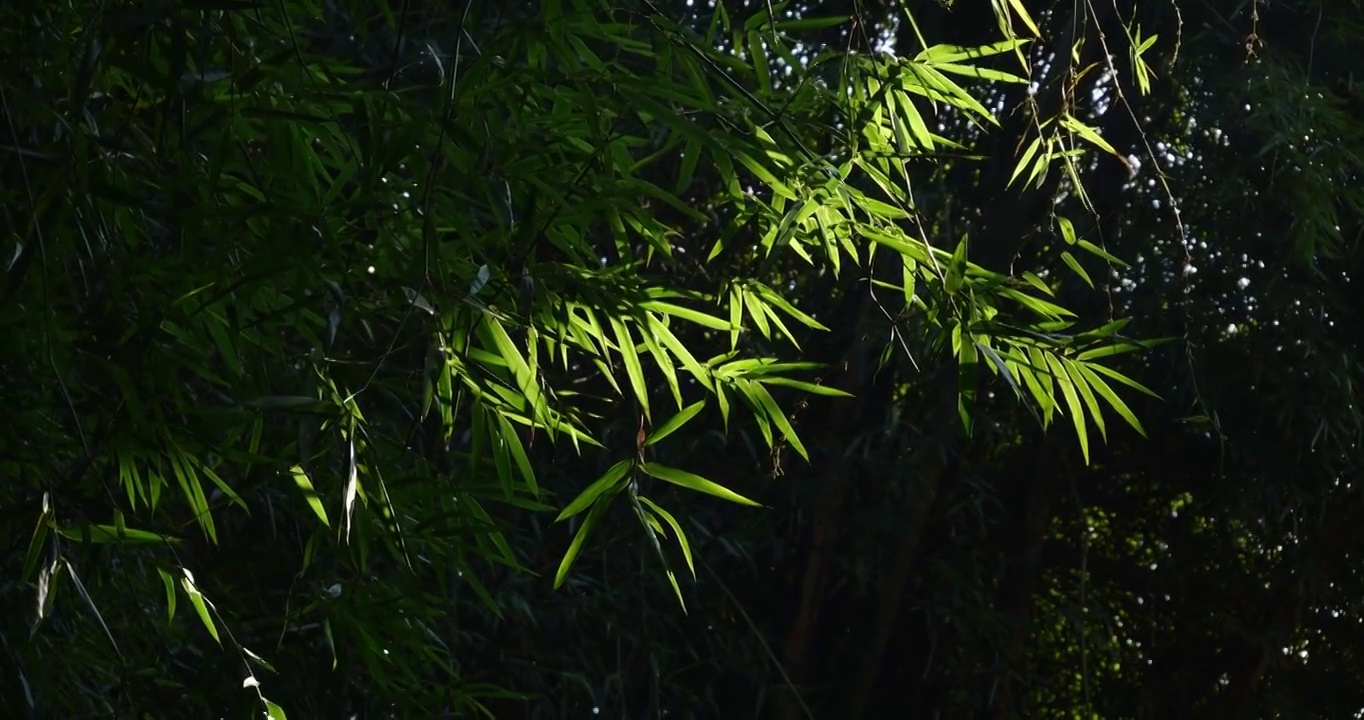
(640, 357)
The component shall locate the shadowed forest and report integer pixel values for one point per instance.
(681, 358)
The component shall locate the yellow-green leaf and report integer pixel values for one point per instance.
(274, 711)
(310, 495)
(677, 529)
(687, 314)
(1076, 267)
(1076, 412)
(200, 604)
(773, 412)
(1106, 392)
(609, 481)
(169, 583)
(633, 369)
(672, 424)
(695, 482)
(580, 537)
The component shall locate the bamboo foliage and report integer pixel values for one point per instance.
(269, 278)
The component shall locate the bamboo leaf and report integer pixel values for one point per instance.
(1076, 267)
(1129, 382)
(1086, 132)
(1087, 394)
(1077, 416)
(680, 351)
(677, 530)
(273, 711)
(512, 439)
(1026, 160)
(674, 423)
(1022, 11)
(111, 534)
(954, 53)
(1096, 250)
(979, 73)
(580, 537)
(695, 482)
(633, 369)
(821, 23)
(812, 388)
(169, 583)
(665, 364)
(1115, 402)
(771, 410)
(687, 314)
(610, 481)
(757, 311)
(200, 604)
(736, 310)
(771, 296)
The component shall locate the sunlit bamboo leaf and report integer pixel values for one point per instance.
(769, 295)
(1073, 408)
(1088, 133)
(980, 73)
(217, 481)
(695, 482)
(305, 485)
(1096, 250)
(955, 53)
(674, 423)
(1023, 15)
(812, 388)
(680, 351)
(1025, 162)
(765, 175)
(1086, 394)
(610, 481)
(687, 314)
(1109, 350)
(1046, 309)
(580, 537)
(200, 604)
(352, 487)
(1115, 402)
(938, 87)
(956, 269)
(1076, 267)
(756, 312)
(633, 369)
(512, 439)
(736, 310)
(273, 711)
(677, 530)
(1129, 382)
(771, 410)
(516, 362)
